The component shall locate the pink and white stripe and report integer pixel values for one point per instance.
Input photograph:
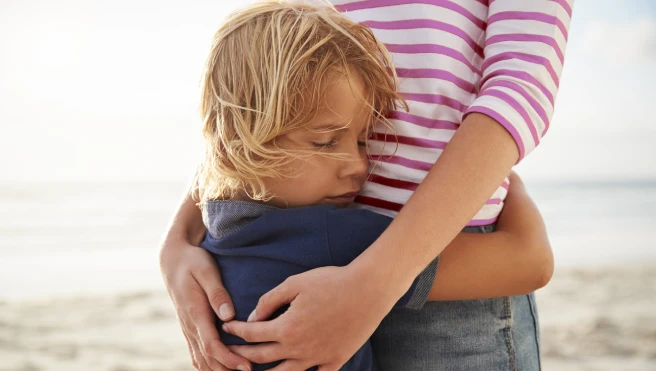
(501, 58)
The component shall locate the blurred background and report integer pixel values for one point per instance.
(99, 136)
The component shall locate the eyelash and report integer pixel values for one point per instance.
(324, 145)
(332, 143)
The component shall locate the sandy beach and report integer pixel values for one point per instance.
(600, 319)
(592, 319)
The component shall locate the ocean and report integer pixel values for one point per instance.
(68, 239)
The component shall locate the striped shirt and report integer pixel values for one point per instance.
(501, 58)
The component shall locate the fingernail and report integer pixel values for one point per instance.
(225, 328)
(226, 312)
(243, 368)
(252, 316)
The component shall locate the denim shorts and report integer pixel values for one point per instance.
(499, 334)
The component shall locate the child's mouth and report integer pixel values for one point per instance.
(343, 198)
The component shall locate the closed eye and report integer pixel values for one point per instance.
(329, 144)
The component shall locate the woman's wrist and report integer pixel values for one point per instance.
(382, 272)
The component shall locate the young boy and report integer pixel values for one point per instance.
(290, 96)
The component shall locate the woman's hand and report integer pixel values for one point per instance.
(194, 284)
(333, 312)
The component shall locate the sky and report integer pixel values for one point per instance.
(108, 91)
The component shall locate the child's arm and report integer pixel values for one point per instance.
(516, 259)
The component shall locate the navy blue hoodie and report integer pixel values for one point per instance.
(257, 247)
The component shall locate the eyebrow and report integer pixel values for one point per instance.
(328, 127)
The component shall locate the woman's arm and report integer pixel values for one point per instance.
(516, 259)
(194, 284)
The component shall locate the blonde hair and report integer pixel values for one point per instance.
(265, 76)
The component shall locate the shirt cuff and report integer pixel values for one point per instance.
(424, 285)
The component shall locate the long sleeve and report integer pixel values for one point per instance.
(524, 54)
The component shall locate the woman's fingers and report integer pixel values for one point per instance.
(209, 279)
(254, 332)
(214, 365)
(198, 359)
(192, 352)
(206, 335)
(214, 350)
(270, 302)
(261, 353)
(193, 281)
(292, 365)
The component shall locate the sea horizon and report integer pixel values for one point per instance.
(59, 239)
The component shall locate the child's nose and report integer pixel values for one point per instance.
(357, 165)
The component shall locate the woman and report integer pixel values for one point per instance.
(497, 66)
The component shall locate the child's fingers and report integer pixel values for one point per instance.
(514, 178)
(516, 191)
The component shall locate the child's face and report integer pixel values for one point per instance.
(320, 179)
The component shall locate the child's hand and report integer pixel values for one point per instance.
(522, 220)
(516, 259)
(194, 284)
(520, 215)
